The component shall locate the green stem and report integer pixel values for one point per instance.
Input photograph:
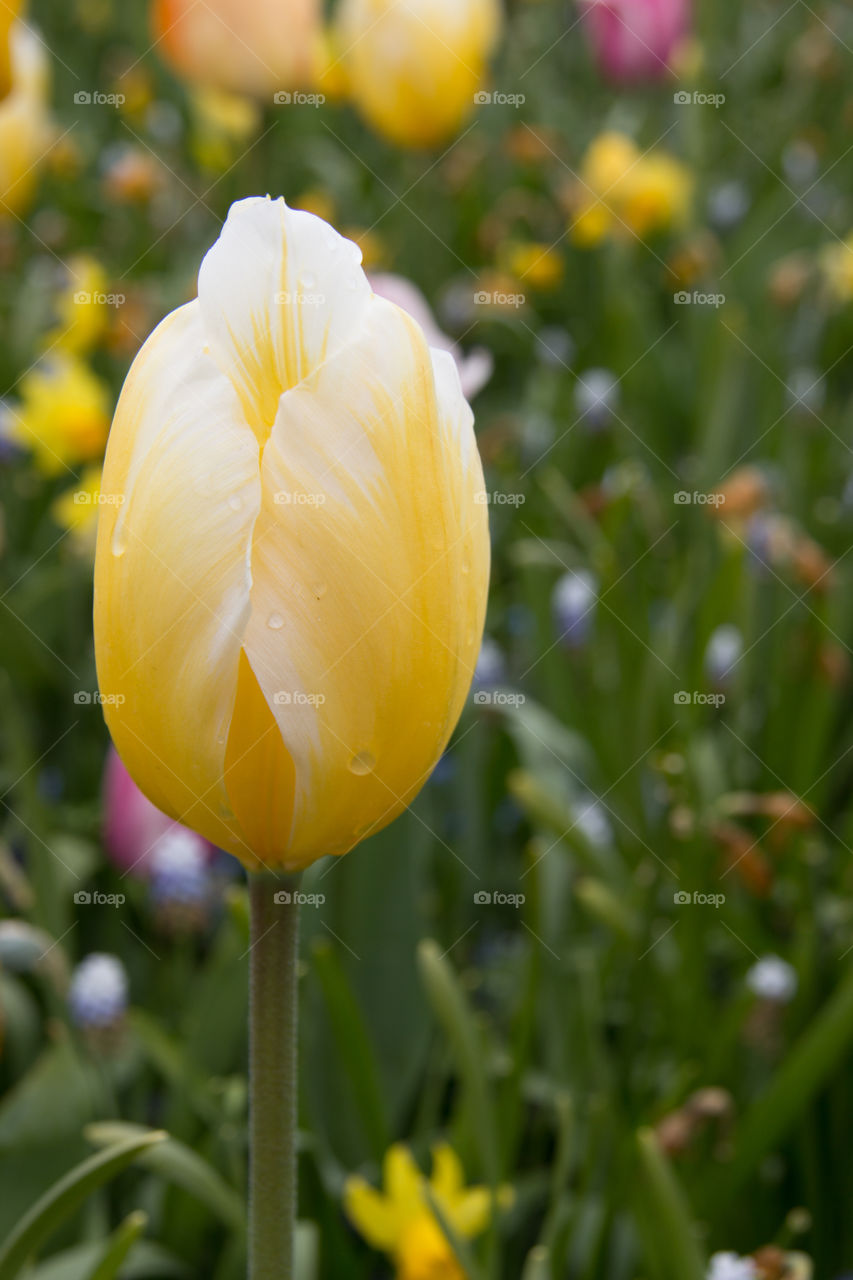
(273, 955)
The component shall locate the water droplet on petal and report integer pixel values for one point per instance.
(362, 763)
(119, 540)
(235, 502)
(319, 589)
(275, 622)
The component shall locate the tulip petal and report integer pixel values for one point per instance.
(172, 575)
(280, 292)
(370, 570)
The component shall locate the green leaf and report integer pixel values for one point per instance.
(661, 1202)
(119, 1246)
(354, 1045)
(65, 1197)
(177, 1163)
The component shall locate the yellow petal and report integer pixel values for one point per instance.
(369, 578)
(403, 1181)
(374, 1215)
(172, 575)
(447, 1175)
(280, 292)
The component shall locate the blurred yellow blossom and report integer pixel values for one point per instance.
(623, 191)
(63, 414)
(80, 306)
(77, 509)
(26, 131)
(222, 125)
(416, 70)
(537, 265)
(836, 263)
(400, 1220)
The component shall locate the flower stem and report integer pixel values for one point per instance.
(273, 957)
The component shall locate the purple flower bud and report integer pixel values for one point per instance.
(97, 996)
(573, 605)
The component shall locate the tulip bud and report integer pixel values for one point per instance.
(636, 39)
(290, 596)
(133, 826)
(415, 69)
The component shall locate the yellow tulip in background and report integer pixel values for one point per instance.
(25, 126)
(290, 586)
(414, 67)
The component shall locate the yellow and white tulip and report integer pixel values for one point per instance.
(290, 585)
(414, 68)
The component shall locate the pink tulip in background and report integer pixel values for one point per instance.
(132, 825)
(636, 39)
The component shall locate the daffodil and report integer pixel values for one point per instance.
(291, 595)
(25, 126)
(76, 510)
(400, 1220)
(415, 68)
(80, 306)
(625, 193)
(63, 413)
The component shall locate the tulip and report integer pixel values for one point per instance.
(636, 39)
(133, 827)
(25, 127)
(256, 47)
(290, 597)
(414, 68)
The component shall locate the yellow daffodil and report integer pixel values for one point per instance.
(223, 125)
(77, 509)
(400, 1221)
(63, 414)
(80, 306)
(625, 193)
(538, 266)
(259, 47)
(25, 127)
(290, 598)
(416, 67)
